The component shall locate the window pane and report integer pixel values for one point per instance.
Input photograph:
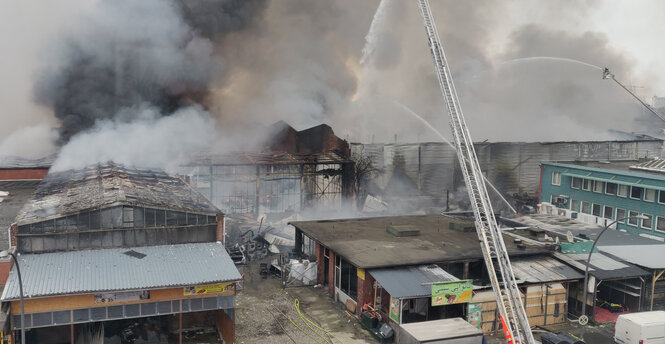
(610, 188)
(556, 178)
(646, 222)
(346, 269)
(621, 215)
(660, 224)
(661, 196)
(622, 190)
(575, 183)
(636, 192)
(598, 186)
(586, 184)
(575, 205)
(631, 218)
(608, 212)
(586, 207)
(649, 195)
(596, 209)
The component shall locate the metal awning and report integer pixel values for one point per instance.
(648, 256)
(543, 269)
(411, 282)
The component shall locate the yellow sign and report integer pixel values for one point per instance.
(361, 274)
(227, 288)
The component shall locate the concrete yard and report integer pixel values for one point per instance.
(264, 309)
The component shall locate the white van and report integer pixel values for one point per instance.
(640, 328)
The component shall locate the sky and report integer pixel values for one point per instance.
(300, 62)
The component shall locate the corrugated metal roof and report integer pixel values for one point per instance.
(654, 165)
(77, 272)
(543, 269)
(602, 266)
(648, 256)
(410, 282)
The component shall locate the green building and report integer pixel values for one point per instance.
(601, 192)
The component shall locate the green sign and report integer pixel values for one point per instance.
(474, 315)
(449, 293)
(394, 309)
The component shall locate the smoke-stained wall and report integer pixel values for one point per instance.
(513, 167)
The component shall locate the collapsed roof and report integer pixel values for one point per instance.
(109, 184)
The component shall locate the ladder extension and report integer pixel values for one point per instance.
(505, 287)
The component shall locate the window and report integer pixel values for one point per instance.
(348, 281)
(636, 192)
(610, 188)
(574, 205)
(586, 184)
(575, 183)
(621, 215)
(649, 195)
(660, 224)
(607, 213)
(586, 207)
(622, 190)
(632, 220)
(596, 210)
(661, 196)
(646, 221)
(598, 186)
(556, 178)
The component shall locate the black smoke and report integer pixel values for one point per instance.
(123, 54)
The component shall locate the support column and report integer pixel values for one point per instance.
(331, 273)
(180, 325)
(465, 273)
(656, 276)
(71, 333)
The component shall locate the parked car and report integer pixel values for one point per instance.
(640, 328)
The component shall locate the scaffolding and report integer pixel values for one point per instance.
(274, 182)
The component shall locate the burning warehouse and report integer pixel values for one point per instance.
(108, 251)
(296, 171)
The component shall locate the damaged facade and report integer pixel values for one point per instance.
(111, 247)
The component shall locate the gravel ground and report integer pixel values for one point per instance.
(263, 310)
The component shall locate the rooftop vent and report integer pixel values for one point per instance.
(462, 226)
(134, 254)
(403, 230)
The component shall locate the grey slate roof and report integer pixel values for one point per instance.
(410, 282)
(69, 192)
(81, 272)
(542, 269)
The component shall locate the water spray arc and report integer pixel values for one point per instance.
(444, 139)
(548, 58)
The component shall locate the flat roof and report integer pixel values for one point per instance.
(627, 167)
(411, 282)
(602, 266)
(99, 186)
(120, 269)
(264, 158)
(648, 256)
(366, 243)
(426, 331)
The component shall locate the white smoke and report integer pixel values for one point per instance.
(149, 140)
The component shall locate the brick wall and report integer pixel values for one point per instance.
(320, 264)
(23, 174)
(220, 228)
(331, 273)
(13, 231)
(365, 291)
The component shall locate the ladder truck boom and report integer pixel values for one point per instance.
(511, 309)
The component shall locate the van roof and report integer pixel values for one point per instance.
(645, 317)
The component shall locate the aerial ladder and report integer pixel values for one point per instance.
(513, 316)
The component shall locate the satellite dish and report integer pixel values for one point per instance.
(570, 237)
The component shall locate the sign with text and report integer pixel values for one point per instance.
(449, 293)
(222, 288)
(122, 296)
